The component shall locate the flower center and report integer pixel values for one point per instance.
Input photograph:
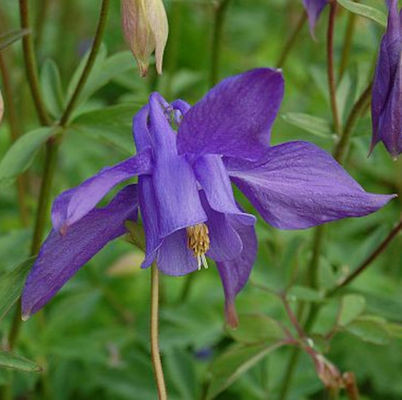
(198, 242)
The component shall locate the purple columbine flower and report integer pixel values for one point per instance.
(314, 9)
(386, 104)
(184, 190)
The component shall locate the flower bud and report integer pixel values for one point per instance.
(1, 107)
(145, 29)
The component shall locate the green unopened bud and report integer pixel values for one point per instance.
(145, 28)
(1, 107)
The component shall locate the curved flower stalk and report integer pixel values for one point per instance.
(184, 190)
(313, 9)
(145, 28)
(386, 105)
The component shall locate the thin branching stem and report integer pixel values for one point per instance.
(291, 41)
(330, 67)
(373, 256)
(347, 44)
(14, 134)
(31, 65)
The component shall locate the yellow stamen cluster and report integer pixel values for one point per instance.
(198, 242)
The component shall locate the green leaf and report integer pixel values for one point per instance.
(370, 329)
(8, 360)
(256, 328)
(352, 305)
(365, 11)
(11, 284)
(100, 58)
(228, 367)
(304, 293)
(8, 38)
(21, 154)
(111, 125)
(315, 125)
(52, 89)
(104, 70)
(394, 329)
(181, 370)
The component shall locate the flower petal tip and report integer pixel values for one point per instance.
(231, 315)
(25, 317)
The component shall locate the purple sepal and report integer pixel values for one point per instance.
(61, 256)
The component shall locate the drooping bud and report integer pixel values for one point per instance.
(145, 28)
(1, 107)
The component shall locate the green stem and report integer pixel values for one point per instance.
(31, 66)
(219, 19)
(14, 134)
(382, 246)
(347, 44)
(173, 45)
(291, 41)
(91, 60)
(51, 152)
(357, 110)
(40, 18)
(330, 66)
(52, 144)
(287, 379)
(155, 354)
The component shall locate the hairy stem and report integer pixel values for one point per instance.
(291, 41)
(219, 19)
(330, 67)
(155, 355)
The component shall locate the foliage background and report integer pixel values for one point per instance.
(93, 339)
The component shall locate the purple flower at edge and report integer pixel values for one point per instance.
(313, 9)
(386, 104)
(184, 190)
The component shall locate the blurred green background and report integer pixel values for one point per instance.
(93, 339)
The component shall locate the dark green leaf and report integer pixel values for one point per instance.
(352, 305)
(8, 360)
(21, 154)
(52, 89)
(257, 328)
(11, 284)
(228, 367)
(365, 11)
